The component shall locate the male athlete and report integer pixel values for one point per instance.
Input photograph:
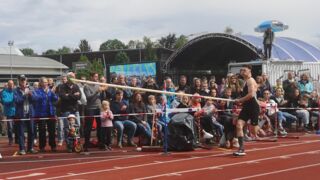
(250, 107)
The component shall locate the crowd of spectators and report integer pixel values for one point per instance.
(43, 109)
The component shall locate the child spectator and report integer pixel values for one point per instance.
(106, 125)
(72, 132)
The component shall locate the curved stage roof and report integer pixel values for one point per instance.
(216, 50)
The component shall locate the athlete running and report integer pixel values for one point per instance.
(250, 107)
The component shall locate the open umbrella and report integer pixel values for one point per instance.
(275, 26)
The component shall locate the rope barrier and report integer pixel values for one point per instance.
(149, 90)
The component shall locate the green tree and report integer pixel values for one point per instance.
(84, 46)
(150, 52)
(64, 50)
(50, 52)
(112, 44)
(181, 41)
(94, 66)
(97, 66)
(135, 44)
(76, 50)
(168, 41)
(28, 52)
(121, 58)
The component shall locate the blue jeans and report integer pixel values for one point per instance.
(218, 126)
(125, 126)
(144, 130)
(289, 117)
(31, 133)
(10, 128)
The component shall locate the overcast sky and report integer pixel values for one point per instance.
(51, 24)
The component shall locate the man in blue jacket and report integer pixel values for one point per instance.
(22, 98)
(44, 99)
(9, 109)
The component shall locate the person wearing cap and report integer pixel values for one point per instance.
(72, 132)
(22, 100)
(69, 94)
(9, 109)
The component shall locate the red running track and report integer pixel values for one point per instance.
(287, 158)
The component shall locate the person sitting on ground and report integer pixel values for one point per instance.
(184, 102)
(274, 113)
(283, 104)
(209, 110)
(137, 106)
(295, 102)
(265, 127)
(122, 122)
(153, 119)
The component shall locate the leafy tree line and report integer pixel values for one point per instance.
(171, 41)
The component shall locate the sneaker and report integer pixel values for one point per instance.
(240, 152)
(22, 152)
(60, 143)
(109, 148)
(119, 145)
(207, 135)
(283, 132)
(33, 151)
(0, 156)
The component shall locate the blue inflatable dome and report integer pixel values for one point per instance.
(285, 48)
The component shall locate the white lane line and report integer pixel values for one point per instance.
(219, 166)
(171, 161)
(68, 165)
(64, 159)
(26, 176)
(253, 162)
(279, 171)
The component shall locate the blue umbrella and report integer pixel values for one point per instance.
(275, 26)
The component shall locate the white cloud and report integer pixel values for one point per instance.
(45, 24)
